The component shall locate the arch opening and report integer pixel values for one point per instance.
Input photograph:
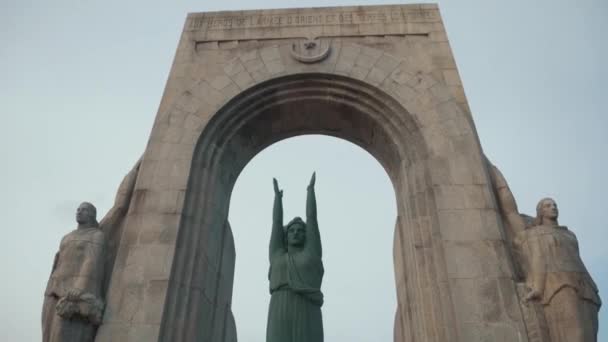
(357, 213)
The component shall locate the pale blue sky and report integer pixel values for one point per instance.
(80, 82)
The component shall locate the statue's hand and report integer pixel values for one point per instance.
(277, 191)
(532, 295)
(73, 295)
(311, 185)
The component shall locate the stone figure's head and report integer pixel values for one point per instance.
(546, 210)
(86, 214)
(295, 232)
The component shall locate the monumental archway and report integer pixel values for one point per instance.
(380, 77)
(271, 111)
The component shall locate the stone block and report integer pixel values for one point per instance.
(275, 67)
(350, 52)
(248, 56)
(157, 261)
(465, 301)
(109, 332)
(484, 332)
(206, 93)
(220, 82)
(401, 76)
(489, 300)
(460, 224)
(440, 92)
(194, 122)
(474, 259)
(376, 76)
(260, 75)
(172, 175)
(422, 81)
(255, 64)
(405, 93)
(243, 79)
(157, 201)
(344, 66)
(234, 67)
(387, 63)
(190, 137)
(466, 169)
(143, 332)
(449, 196)
(158, 228)
(462, 259)
(359, 72)
(230, 91)
(365, 61)
(451, 77)
(457, 92)
(478, 197)
(154, 300)
(270, 54)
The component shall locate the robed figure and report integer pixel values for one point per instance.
(73, 302)
(549, 261)
(74, 297)
(296, 272)
(557, 277)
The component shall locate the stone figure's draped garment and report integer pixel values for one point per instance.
(295, 278)
(79, 265)
(568, 294)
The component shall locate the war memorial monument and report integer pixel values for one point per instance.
(468, 265)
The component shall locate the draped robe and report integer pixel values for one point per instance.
(568, 295)
(79, 265)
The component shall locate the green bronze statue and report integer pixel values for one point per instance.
(296, 272)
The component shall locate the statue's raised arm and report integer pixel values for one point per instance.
(121, 202)
(276, 237)
(311, 218)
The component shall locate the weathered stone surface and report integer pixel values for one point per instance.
(390, 85)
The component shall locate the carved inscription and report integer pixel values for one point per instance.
(297, 19)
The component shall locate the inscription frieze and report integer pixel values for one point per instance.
(207, 23)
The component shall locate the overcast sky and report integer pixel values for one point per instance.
(80, 82)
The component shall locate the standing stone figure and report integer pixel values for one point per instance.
(296, 272)
(73, 303)
(557, 277)
(74, 297)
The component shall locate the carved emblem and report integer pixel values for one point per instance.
(311, 50)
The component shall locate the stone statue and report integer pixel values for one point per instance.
(73, 303)
(556, 281)
(296, 272)
(557, 277)
(74, 297)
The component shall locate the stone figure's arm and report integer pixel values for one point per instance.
(506, 201)
(314, 237)
(276, 236)
(536, 275)
(123, 197)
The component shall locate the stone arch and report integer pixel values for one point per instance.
(296, 104)
(221, 107)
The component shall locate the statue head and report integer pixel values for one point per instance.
(295, 232)
(546, 211)
(86, 215)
